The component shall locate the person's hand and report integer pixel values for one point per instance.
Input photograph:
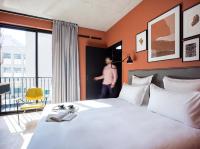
(112, 85)
(95, 78)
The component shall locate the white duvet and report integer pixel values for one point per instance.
(114, 124)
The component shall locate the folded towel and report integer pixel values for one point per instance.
(69, 117)
(57, 116)
(62, 115)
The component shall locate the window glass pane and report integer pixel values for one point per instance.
(6, 69)
(45, 63)
(29, 55)
(18, 63)
(17, 53)
(44, 55)
(17, 56)
(6, 56)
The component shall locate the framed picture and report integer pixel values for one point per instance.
(141, 41)
(191, 21)
(164, 36)
(191, 50)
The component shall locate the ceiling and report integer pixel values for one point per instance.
(94, 14)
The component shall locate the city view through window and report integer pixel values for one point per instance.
(24, 63)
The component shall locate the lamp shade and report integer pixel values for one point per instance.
(129, 60)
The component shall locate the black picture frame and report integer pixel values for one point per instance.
(183, 18)
(179, 6)
(189, 39)
(146, 41)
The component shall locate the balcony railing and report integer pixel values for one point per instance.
(18, 88)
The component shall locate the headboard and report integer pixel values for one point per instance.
(179, 73)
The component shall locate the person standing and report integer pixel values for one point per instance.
(109, 78)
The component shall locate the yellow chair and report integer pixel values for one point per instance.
(35, 100)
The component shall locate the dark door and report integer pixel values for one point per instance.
(116, 56)
(94, 66)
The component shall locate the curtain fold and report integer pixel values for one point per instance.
(66, 79)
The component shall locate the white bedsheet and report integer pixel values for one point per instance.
(114, 124)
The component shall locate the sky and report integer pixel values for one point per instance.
(16, 34)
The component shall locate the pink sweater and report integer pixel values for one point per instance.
(109, 75)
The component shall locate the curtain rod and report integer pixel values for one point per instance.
(31, 16)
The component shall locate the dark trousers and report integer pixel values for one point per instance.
(106, 91)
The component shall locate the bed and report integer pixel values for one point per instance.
(116, 124)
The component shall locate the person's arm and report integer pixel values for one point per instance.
(99, 77)
(114, 72)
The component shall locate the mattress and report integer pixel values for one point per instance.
(113, 124)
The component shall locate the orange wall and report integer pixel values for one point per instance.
(126, 29)
(136, 21)
(47, 25)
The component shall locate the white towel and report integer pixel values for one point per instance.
(58, 116)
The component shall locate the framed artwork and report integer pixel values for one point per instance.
(141, 41)
(191, 21)
(191, 50)
(164, 36)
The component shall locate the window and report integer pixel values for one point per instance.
(17, 56)
(17, 70)
(119, 47)
(44, 55)
(6, 69)
(45, 62)
(18, 90)
(14, 44)
(26, 61)
(19, 46)
(26, 53)
(6, 56)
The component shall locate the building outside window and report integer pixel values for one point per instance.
(17, 70)
(20, 66)
(6, 56)
(7, 69)
(17, 56)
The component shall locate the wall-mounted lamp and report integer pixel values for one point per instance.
(128, 59)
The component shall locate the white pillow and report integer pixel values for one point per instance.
(180, 106)
(136, 81)
(133, 94)
(181, 84)
(141, 81)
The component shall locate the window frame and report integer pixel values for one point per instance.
(36, 31)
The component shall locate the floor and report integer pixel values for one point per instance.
(14, 136)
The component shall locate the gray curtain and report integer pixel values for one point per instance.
(66, 79)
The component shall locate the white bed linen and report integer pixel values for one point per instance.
(114, 124)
